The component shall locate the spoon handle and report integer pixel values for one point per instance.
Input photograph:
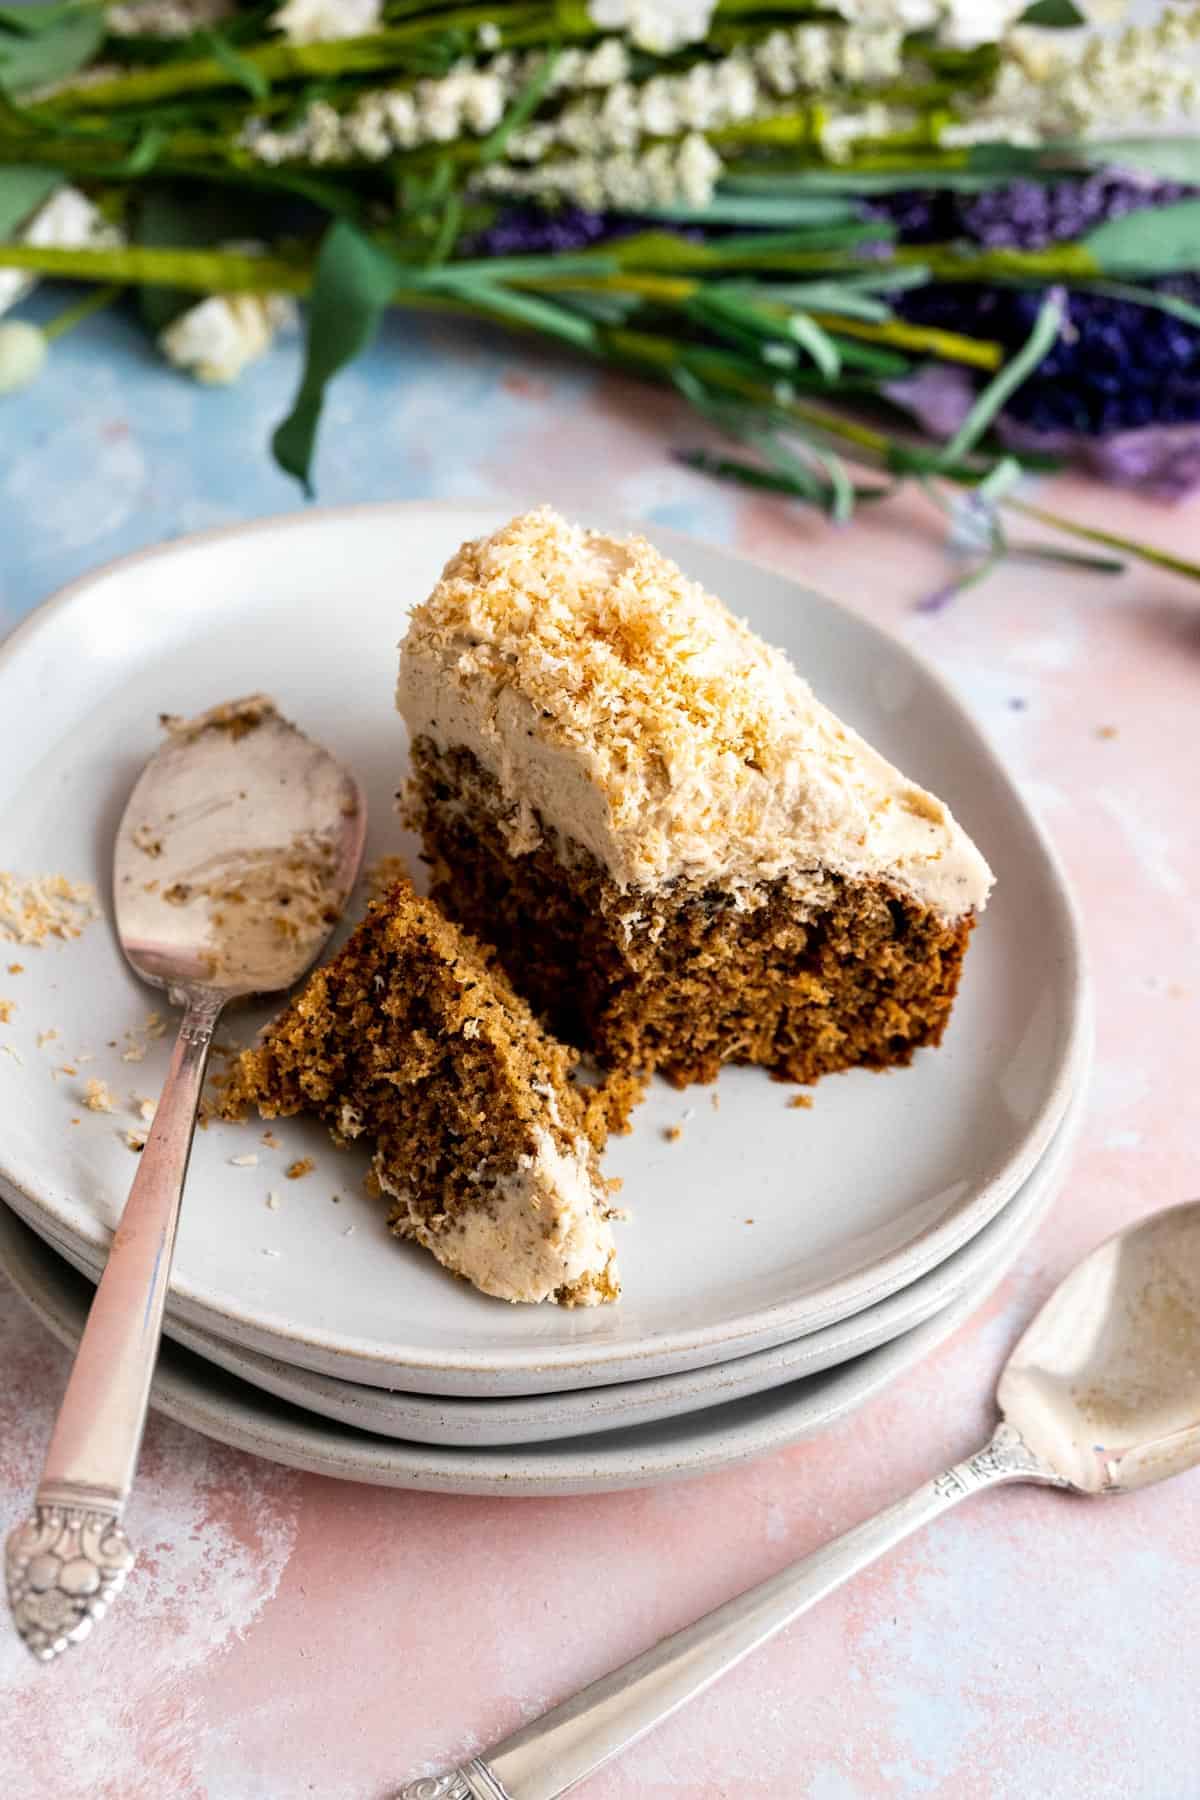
(547, 1757)
(68, 1561)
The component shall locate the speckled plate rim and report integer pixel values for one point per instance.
(568, 1365)
(477, 1423)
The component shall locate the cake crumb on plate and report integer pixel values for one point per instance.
(272, 1201)
(247, 1160)
(97, 1096)
(303, 1165)
(800, 1102)
(672, 1133)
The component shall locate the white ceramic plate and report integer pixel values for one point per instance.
(193, 1392)
(881, 1181)
(427, 1419)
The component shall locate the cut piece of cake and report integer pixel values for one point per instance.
(682, 857)
(413, 1039)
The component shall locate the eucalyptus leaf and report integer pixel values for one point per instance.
(1168, 158)
(768, 208)
(32, 61)
(36, 20)
(352, 289)
(1156, 240)
(22, 190)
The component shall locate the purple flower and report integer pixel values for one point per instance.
(528, 229)
(1162, 461)
(1023, 215)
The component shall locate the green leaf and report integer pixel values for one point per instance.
(1158, 240)
(34, 21)
(820, 346)
(354, 284)
(1040, 341)
(31, 61)
(779, 210)
(238, 67)
(524, 309)
(1170, 158)
(1058, 14)
(22, 190)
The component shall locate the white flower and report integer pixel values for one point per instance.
(659, 26)
(488, 36)
(699, 170)
(165, 18)
(215, 339)
(320, 21)
(960, 24)
(66, 221)
(22, 352)
(665, 175)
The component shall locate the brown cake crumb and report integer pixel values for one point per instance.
(303, 1165)
(97, 1096)
(481, 1140)
(800, 1102)
(16, 968)
(672, 1133)
(6, 1012)
(381, 876)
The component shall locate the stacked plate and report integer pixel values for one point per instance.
(781, 1264)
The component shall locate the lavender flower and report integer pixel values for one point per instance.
(1022, 215)
(1161, 460)
(1117, 365)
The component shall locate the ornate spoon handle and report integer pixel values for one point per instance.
(564, 1746)
(67, 1562)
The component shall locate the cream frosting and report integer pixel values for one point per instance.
(539, 1228)
(622, 707)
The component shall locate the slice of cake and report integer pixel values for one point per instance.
(413, 1039)
(682, 857)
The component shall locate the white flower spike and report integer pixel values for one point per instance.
(217, 338)
(22, 352)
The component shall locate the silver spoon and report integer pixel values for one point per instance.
(234, 858)
(1101, 1395)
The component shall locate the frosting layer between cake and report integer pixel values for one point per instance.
(628, 710)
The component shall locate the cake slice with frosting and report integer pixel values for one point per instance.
(682, 857)
(413, 1040)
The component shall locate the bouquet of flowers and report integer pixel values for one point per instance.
(941, 239)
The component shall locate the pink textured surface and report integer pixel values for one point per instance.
(286, 1635)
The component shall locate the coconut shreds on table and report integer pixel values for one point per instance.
(34, 908)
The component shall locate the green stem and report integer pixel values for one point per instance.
(279, 61)
(1162, 559)
(83, 309)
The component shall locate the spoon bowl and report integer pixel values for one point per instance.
(236, 852)
(1105, 1384)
